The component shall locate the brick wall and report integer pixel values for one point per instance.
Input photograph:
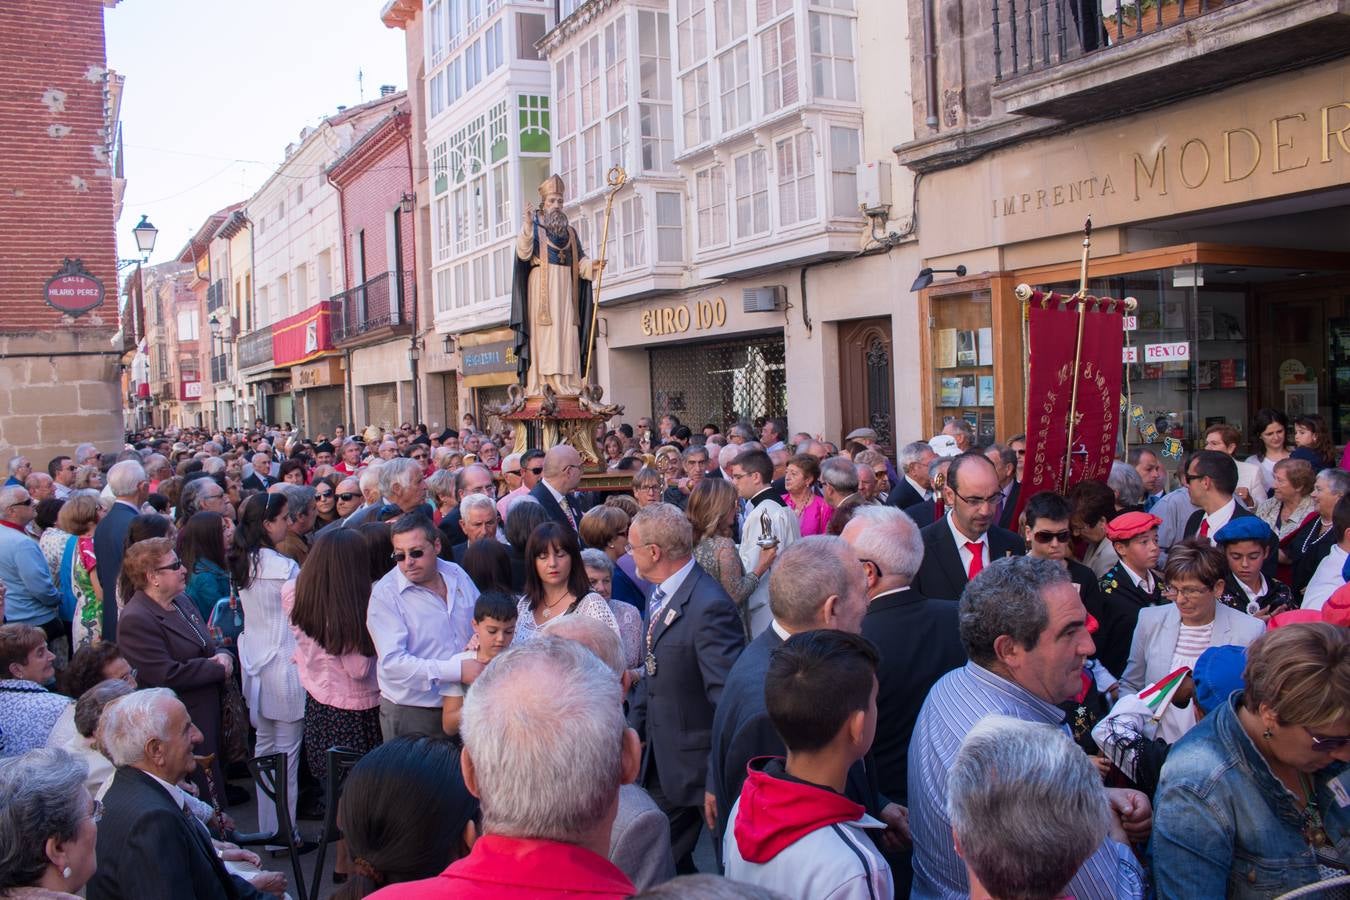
(370, 189)
(59, 382)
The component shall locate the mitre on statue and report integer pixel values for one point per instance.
(552, 185)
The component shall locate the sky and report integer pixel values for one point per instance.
(215, 91)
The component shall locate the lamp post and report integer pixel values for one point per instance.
(145, 234)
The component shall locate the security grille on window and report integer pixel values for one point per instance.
(721, 383)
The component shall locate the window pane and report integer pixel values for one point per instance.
(669, 237)
(844, 159)
(529, 29)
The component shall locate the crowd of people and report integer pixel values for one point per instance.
(861, 673)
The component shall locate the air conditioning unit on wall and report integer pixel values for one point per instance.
(763, 299)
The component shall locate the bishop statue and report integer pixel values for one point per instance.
(551, 297)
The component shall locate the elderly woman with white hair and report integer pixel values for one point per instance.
(1026, 807)
(48, 826)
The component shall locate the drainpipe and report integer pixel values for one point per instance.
(342, 248)
(930, 65)
(405, 128)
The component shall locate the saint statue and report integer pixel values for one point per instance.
(551, 297)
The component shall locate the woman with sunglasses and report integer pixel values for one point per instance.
(1172, 636)
(556, 583)
(325, 501)
(276, 701)
(166, 641)
(1248, 801)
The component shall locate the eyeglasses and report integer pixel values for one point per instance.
(1187, 593)
(415, 553)
(978, 501)
(173, 566)
(1047, 537)
(1323, 744)
(347, 496)
(28, 502)
(419, 456)
(648, 487)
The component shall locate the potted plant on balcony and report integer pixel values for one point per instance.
(1140, 17)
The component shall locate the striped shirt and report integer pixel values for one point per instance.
(960, 699)
(1192, 640)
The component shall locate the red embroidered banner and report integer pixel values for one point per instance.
(303, 336)
(1053, 327)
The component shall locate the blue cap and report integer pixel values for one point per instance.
(1217, 673)
(1244, 528)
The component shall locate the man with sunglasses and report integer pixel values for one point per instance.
(420, 617)
(527, 468)
(962, 544)
(62, 469)
(31, 598)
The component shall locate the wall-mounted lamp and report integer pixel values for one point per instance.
(406, 203)
(926, 276)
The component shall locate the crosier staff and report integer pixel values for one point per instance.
(615, 178)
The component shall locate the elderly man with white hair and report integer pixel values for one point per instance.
(18, 468)
(129, 484)
(917, 638)
(149, 845)
(1026, 807)
(402, 483)
(548, 778)
(32, 598)
(639, 840)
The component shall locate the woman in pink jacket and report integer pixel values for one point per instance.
(333, 651)
(800, 477)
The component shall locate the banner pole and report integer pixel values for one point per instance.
(1081, 299)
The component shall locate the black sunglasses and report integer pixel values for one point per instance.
(323, 495)
(1045, 537)
(173, 566)
(400, 556)
(347, 496)
(538, 471)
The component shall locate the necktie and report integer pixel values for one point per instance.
(1204, 527)
(655, 603)
(976, 559)
(567, 511)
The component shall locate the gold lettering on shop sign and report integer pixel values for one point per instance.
(1339, 132)
(1056, 195)
(1158, 173)
(1279, 145)
(1228, 176)
(1181, 163)
(677, 319)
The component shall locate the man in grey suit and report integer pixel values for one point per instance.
(130, 485)
(694, 635)
(639, 839)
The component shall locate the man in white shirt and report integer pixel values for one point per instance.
(1211, 479)
(915, 486)
(62, 470)
(420, 617)
(766, 516)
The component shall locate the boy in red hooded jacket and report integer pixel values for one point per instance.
(792, 830)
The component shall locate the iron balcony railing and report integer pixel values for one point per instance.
(215, 295)
(1031, 35)
(255, 348)
(387, 300)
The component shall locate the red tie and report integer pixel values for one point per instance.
(976, 559)
(1204, 527)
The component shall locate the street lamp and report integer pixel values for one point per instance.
(406, 202)
(145, 237)
(926, 276)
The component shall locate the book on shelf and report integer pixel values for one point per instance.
(986, 390)
(949, 392)
(985, 340)
(965, 348)
(1207, 374)
(968, 393)
(1228, 373)
(946, 348)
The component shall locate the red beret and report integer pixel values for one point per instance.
(1131, 524)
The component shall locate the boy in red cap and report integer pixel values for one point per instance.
(1129, 586)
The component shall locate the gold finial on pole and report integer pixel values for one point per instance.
(616, 177)
(1081, 297)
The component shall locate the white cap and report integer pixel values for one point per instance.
(944, 445)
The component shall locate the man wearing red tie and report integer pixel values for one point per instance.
(1211, 480)
(958, 546)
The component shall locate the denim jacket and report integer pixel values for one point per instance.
(1224, 825)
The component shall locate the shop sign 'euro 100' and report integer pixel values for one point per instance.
(73, 289)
